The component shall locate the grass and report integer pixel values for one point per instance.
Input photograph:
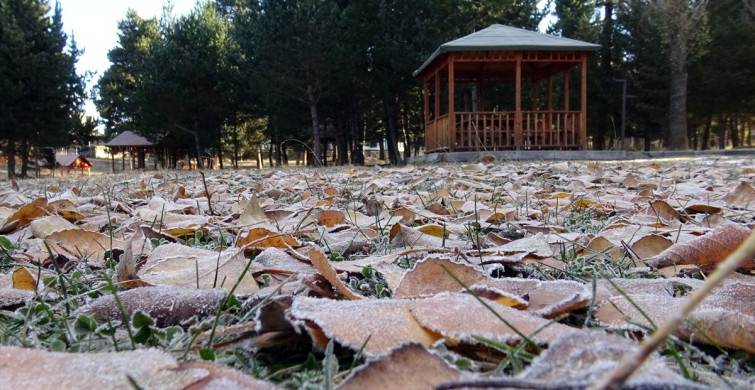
(49, 321)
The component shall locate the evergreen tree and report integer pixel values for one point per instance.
(39, 89)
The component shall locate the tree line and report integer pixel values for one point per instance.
(233, 75)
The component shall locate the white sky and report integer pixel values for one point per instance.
(94, 25)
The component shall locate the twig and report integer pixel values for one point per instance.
(631, 362)
(209, 202)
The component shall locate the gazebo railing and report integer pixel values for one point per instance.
(490, 131)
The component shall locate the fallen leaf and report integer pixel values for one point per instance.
(742, 197)
(183, 266)
(387, 323)
(24, 215)
(595, 353)
(706, 251)
(148, 369)
(460, 317)
(322, 264)
(726, 317)
(84, 245)
(429, 278)
(330, 218)
(263, 238)
(408, 366)
(167, 305)
(23, 280)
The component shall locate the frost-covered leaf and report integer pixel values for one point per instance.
(408, 366)
(166, 305)
(182, 266)
(727, 317)
(705, 251)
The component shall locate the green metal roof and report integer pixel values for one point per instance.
(500, 37)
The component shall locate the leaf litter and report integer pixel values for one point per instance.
(421, 276)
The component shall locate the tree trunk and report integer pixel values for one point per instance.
(25, 158)
(10, 152)
(677, 137)
(391, 129)
(606, 83)
(705, 142)
(357, 136)
(317, 146)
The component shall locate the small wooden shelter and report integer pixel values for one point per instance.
(133, 144)
(66, 163)
(474, 88)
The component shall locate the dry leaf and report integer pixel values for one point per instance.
(23, 280)
(11, 297)
(330, 218)
(429, 278)
(727, 317)
(24, 215)
(460, 317)
(706, 251)
(182, 266)
(326, 270)
(43, 227)
(408, 366)
(84, 245)
(386, 322)
(165, 304)
(582, 357)
(742, 197)
(263, 238)
(148, 369)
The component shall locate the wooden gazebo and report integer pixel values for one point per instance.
(474, 87)
(136, 145)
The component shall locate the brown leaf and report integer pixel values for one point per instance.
(24, 215)
(742, 197)
(409, 366)
(183, 266)
(387, 323)
(322, 264)
(429, 278)
(167, 305)
(23, 368)
(662, 210)
(650, 246)
(263, 238)
(438, 208)
(330, 218)
(83, 244)
(43, 227)
(23, 280)
(727, 317)
(595, 352)
(706, 251)
(460, 317)
(10, 298)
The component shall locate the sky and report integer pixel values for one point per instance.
(94, 25)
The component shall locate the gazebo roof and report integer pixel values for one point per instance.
(128, 139)
(500, 37)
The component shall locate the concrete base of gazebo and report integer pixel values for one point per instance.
(573, 155)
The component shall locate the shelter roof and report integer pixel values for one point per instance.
(128, 139)
(68, 160)
(500, 37)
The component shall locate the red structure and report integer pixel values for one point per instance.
(66, 163)
(475, 89)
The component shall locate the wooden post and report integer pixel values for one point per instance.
(566, 90)
(451, 130)
(436, 131)
(583, 106)
(549, 108)
(518, 141)
(112, 160)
